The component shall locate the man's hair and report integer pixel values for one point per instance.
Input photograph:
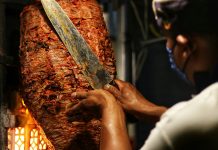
(187, 16)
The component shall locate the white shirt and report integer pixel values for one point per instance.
(190, 125)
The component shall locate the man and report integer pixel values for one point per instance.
(191, 29)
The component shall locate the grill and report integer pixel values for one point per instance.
(28, 135)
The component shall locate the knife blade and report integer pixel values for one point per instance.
(79, 49)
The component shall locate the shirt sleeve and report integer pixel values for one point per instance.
(188, 125)
(156, 142)
(158, 139)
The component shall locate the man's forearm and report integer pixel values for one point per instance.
(114, 133)
(150, 113)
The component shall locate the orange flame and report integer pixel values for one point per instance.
(29, 134)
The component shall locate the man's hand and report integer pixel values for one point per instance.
(129, 97)
(133, 101)
(113, 132)
(95, 98)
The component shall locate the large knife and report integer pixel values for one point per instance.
(81, 52)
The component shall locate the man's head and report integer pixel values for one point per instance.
(191, 28)
(186, 16)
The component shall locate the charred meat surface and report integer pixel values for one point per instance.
(50, 75)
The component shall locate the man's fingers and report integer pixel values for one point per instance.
(74, 109)
(113, 90)
(79, 95)
(71, 109)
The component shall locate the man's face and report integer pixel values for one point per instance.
(193, 54)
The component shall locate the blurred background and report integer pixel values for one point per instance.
(141, 59)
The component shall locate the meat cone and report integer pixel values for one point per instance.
(49, 75)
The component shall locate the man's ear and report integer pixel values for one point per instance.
(185, 44)
(182, 39)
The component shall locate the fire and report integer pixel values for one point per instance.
(28, 135)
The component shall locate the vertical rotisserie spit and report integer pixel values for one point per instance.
(49, 74)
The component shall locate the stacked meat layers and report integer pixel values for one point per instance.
(49, 74)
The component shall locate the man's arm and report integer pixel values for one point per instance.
(149, 113)
(114, 133)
